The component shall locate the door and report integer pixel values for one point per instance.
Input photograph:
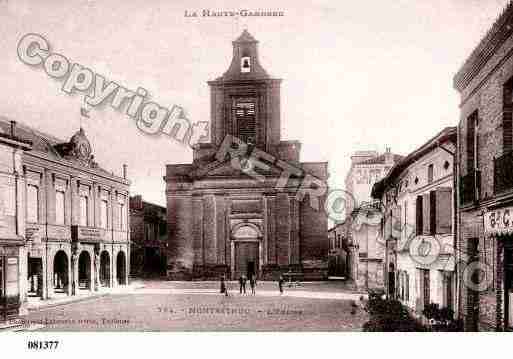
(246, 258)
(391, 280)
(10, 288)
(508, 287)
(448, 278)
(251, 269)
(84, 270)
(2, 294)
(426, 287)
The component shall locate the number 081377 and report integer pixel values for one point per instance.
(42, 345)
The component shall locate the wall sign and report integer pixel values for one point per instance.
(499, 221)
(86, 234)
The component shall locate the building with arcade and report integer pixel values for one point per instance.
(76, 217)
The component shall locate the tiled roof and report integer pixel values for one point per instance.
(381, 159)
(498, 33)
(447, 134)
(41, 142)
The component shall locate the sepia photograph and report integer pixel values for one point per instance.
(255, 167)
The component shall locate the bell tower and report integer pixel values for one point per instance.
(245, 100)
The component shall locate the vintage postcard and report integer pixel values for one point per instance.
(189, 166)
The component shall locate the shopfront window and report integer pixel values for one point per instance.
(11, 277)
(510, 306)
(508, 287)
(9, 286)
(1, 277)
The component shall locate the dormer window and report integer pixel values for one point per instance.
(245, 64)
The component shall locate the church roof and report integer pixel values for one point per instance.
(245, 46)
(245, 37)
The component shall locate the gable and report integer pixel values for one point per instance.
(226, 169)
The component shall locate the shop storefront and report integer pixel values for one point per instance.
(9, 282)
(498, 223)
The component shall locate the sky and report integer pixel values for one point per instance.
(357, 75)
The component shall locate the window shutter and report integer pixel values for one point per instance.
(432, 212)
(407, 286)
(396, 222)
(418, 215)
(471, 127)
(390, 222)
(431, 170)
(443, 211)
(426, 213)
(507, 128)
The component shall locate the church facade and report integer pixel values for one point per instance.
(246, 204)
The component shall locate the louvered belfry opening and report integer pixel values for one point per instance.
(246, 121)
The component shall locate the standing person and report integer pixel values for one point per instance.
(226, 290)
(280, 284)
(240, 284)
(252, 283)
(223, 285)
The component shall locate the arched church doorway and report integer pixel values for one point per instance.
(60, 272)
(246, 251)
(84, 270)
(105, 269)
(121, 268)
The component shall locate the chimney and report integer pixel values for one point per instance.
(13, 128)
(389, 158)
(125, 167)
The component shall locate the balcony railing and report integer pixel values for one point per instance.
(503, 173)
(470, 185)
